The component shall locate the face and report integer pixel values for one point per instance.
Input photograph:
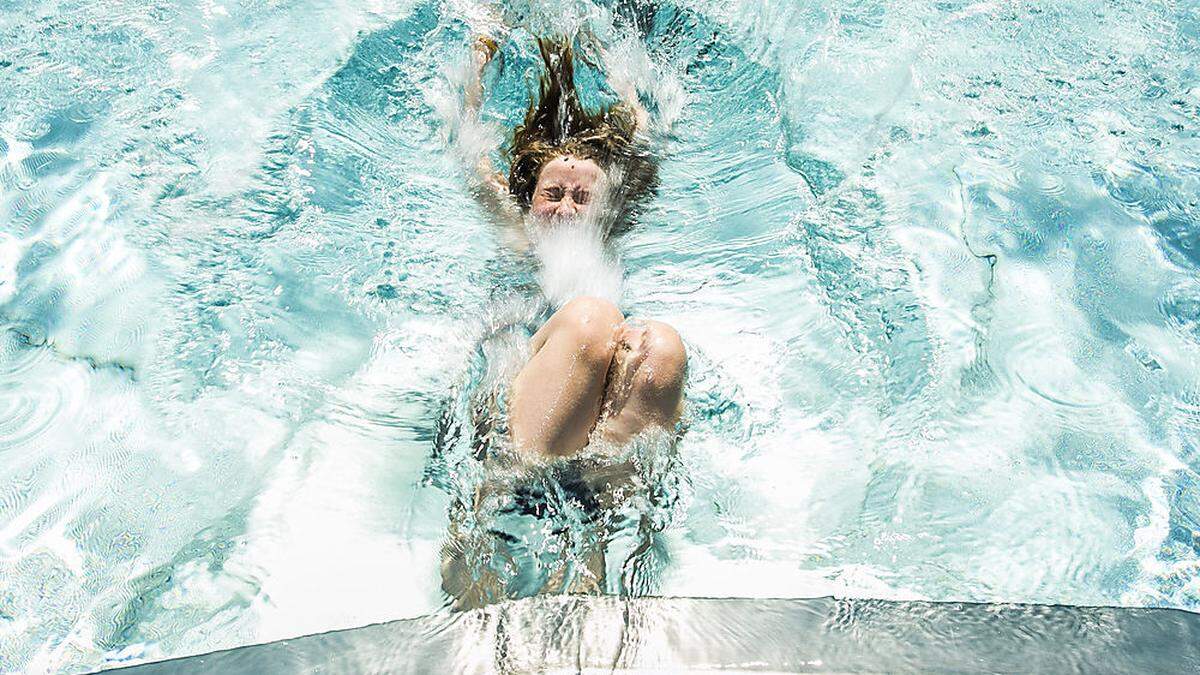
(567, 187)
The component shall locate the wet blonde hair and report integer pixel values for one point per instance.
(557, 124)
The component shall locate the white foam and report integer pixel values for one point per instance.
(575, 261)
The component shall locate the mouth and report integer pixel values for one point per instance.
(556, 219)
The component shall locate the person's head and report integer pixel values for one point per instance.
(567, 161)
(568, 186)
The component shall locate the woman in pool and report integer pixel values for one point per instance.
(585, 385)
(591, 371)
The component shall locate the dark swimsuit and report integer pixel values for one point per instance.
(536, 497)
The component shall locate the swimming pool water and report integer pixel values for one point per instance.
(936, 264)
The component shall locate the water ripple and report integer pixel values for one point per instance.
(939, 303)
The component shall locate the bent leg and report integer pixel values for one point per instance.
(556, 397)
(646, 382)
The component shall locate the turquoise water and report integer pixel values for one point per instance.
(936, 264)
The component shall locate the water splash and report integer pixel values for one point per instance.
(934, 263)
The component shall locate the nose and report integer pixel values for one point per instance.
(567, 207)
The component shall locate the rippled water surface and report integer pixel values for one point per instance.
(935, 263)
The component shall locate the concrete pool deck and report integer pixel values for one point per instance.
(595, 634)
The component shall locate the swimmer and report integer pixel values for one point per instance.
(580, 381)
(592, 372)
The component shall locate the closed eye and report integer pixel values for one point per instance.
(581, 196)
(554, 194)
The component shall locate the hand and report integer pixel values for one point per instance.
(483, 50)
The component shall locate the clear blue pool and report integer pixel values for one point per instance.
(936, 264)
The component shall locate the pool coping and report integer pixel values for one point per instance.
(610, 634)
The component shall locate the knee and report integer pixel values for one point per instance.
(665, 366)
(590, 323)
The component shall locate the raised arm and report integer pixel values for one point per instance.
(490, 186)
(483, 49)
(628, 92)
(616, 69)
